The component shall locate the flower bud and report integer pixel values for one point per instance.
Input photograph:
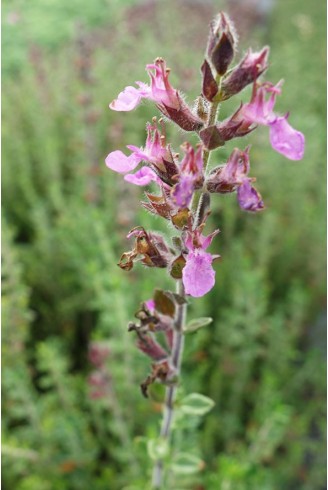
(246, 72)
(210, 87)
(149, 346)
(221, 43)
(233, 127)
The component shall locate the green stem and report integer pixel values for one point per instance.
(211, 119)
(176, 358)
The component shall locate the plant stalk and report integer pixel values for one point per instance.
(176, 358)
(211, 119)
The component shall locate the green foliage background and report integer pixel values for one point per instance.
(64, 223)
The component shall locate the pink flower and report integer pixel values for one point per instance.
(190, 176)
(198, 275)
(259, 110)
(160, 90)
(248, 197)
(237, 167)
(285, 139)
(246, 72)
(154, 152)
(233, 176)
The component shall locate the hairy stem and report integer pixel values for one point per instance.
(176, 358)
(211, 119)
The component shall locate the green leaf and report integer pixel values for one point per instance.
(186, 464)
(196, 404)
(196, 324)
(157, 448)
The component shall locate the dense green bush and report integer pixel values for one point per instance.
(64, 226)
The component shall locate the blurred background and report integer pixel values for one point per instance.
(73, 416)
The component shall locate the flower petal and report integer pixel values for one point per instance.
(143, 177)
(198, 275)
(150, 305)
(286, 140)
(182, 192)
(130, 98)
(119, 162)
(207, 240)
(248, 197)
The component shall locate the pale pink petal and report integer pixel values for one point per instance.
(129, 99)
(259, 110)
(198, 275)
(143, 177)
(286, 140)
(139, 152)
(154, 150)
(207, 240)
(121, 163)
(144, 89)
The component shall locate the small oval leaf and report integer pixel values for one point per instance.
(157, 448)
(187, 464)
(196, 324)
(196, 404)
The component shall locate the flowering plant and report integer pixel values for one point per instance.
(183, 194)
